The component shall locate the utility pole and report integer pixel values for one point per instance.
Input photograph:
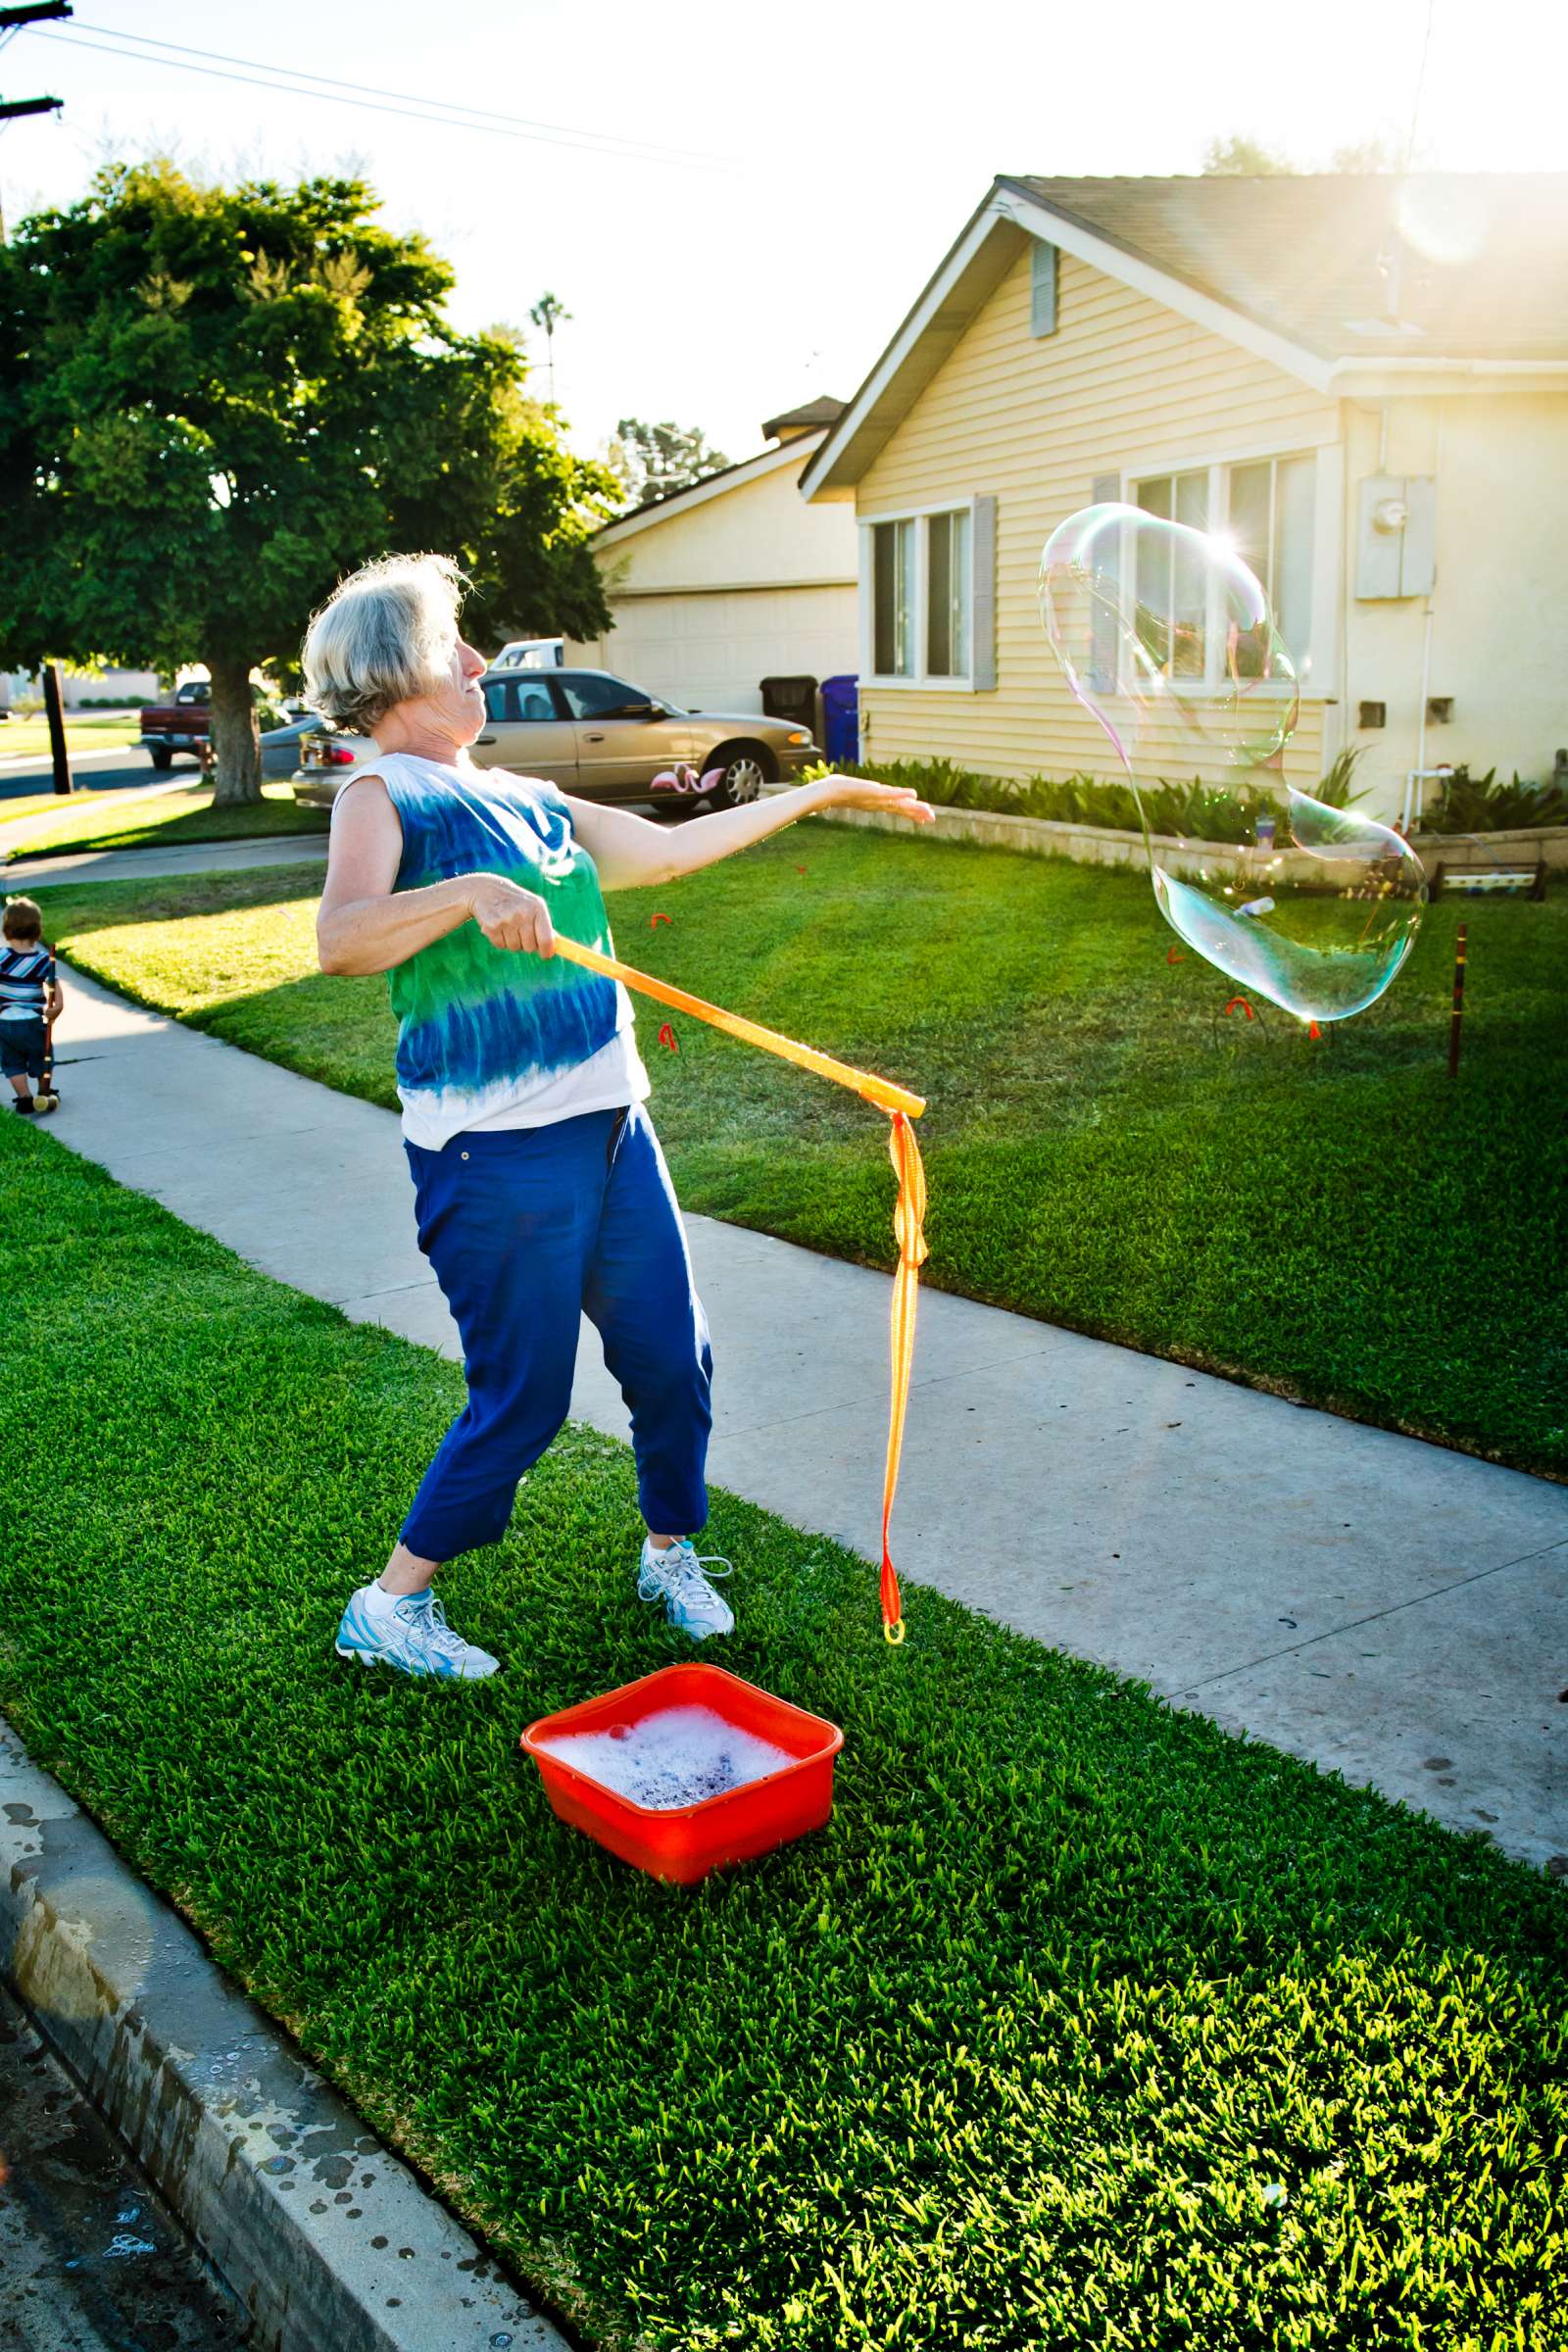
(11, 20)
(53, 711)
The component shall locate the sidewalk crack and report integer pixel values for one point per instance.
(1394, 1608)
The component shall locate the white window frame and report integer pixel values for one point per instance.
(918, 680)
(1317, 682)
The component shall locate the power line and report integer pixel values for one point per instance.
(1420, 87)
(334, 83)
(367, 98)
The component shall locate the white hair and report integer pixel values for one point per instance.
(384, 635)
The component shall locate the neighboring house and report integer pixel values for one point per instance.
(76, 686)
(1298, 362)
(719, 586)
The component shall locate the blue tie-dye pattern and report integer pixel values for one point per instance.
(541, 1018)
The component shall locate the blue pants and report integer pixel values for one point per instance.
(21, 1049)
(528, 1229)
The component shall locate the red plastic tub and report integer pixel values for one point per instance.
(737, 1824)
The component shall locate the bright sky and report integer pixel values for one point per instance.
(834, 159)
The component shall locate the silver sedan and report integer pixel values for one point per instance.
(597, 735)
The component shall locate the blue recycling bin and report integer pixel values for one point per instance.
(841, 719)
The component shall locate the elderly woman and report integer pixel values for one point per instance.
(540, 1189)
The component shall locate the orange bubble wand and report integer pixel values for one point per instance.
(908, 1217)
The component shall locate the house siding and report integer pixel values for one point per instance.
(709, 598)
(1121, 382)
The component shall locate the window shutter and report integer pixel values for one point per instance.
(1043, 289)
(1103, 490)
(983, 595)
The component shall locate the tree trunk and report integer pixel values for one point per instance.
(237, 744)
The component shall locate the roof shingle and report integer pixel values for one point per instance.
(1441, 264)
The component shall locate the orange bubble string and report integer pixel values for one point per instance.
(909, 1214)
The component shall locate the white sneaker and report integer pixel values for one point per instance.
(675, 1577)
(410, 1632)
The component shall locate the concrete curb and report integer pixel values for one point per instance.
(329, 2243)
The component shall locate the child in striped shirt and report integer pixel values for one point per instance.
(29, 995)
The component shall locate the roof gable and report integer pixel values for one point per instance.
(1322, 275)
(1349, 264)
(794, 452)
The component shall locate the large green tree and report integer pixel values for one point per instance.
(214, 401)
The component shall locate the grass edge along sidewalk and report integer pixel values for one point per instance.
(158, 819)
(1082, 2022)
(1335, 1221)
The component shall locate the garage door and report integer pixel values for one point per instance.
(711, 653)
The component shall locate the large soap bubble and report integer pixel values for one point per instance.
(1166, 636)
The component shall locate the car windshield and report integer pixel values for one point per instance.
(594, 693)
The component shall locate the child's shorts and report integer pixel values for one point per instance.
(21, 1049)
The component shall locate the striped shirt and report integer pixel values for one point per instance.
(27, 974)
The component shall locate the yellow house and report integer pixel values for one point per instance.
(733, 580)
(1362, 380)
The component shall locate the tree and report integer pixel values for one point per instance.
(650, 460)
(1378, 153)
(547, 313)
(1239, 157)
(214, 402)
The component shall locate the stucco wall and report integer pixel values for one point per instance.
(748, 583)
(1497, 604)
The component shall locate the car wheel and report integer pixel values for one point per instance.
(163, 757)
(746, 769)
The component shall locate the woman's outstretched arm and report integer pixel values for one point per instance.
(632, 852)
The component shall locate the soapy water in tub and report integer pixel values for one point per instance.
(673, 1758)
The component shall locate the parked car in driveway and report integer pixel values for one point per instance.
(598, 735)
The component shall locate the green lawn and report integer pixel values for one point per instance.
(1082, 2023)
(159, 821)
(85, 731)
(1337, 1220)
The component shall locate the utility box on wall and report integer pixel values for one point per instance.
(1396, 535)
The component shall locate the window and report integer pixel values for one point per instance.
(1270, 520)
(1265, 510)
(590, 694)
(922, 597)
(946, 596)
(1172, 615)
(894, 592)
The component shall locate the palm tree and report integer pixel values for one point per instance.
(548, 312)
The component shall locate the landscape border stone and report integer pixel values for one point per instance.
(1107, 845)
(327, 2240)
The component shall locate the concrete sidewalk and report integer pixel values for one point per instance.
(1384, 1607)
(175, 857)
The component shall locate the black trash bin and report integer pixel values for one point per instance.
(793, 700)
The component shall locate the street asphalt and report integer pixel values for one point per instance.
(92, 771)
(90, 2259)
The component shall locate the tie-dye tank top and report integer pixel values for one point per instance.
(486, 1037)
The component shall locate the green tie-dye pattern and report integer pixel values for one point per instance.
(473, 1017)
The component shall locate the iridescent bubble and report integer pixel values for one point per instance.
(1166, 636)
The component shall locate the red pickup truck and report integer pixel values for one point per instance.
(178, 726)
